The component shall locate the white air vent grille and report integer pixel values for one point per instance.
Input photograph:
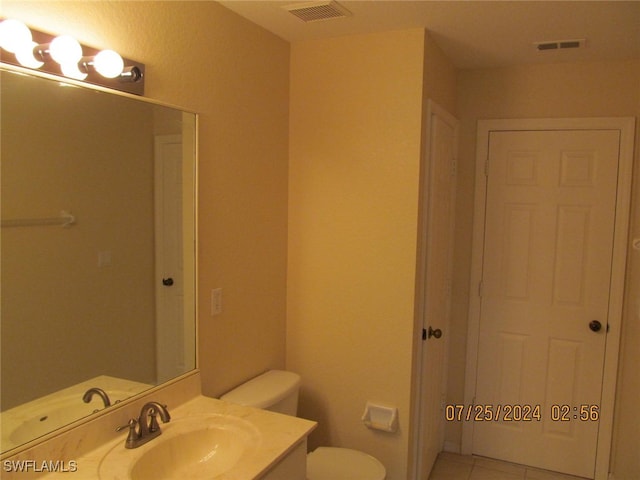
(315, 11)
(560, 44)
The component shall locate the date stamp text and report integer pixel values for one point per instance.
(520, 413)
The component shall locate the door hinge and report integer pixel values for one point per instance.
(480, 289)
(424, 333)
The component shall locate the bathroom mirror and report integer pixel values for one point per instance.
(97, 250)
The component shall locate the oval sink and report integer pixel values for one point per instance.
(197, 447)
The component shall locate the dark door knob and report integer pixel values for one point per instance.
(434, 333)
(167, 282)
(595, 326)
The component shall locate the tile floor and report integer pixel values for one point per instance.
(450, 466)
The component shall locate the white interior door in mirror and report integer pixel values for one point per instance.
(170, 338)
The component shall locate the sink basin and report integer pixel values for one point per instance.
(196, 447)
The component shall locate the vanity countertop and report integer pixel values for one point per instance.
(279, 434)
(30, 420)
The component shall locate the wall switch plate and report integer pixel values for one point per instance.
(216, 301)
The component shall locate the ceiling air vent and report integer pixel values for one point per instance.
(315, 11)
(560, 44)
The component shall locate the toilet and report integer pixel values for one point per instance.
(277, 391)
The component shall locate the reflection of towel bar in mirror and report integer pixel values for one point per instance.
(65, 219)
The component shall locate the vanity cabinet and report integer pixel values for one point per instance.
(291, 467)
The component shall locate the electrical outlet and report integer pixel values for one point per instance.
(216, 301)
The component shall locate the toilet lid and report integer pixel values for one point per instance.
(333, 463)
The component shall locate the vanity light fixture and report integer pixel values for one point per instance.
(107, 63)
(13, 35)
(64, 55)
(64, 49)
(25, 55)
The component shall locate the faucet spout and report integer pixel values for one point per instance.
(88, 395)
(147, 424)
(155, 407)
(148, 421)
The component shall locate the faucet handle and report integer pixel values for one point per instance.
(132, 437)
(130, 424)
(153, 422)
(154, 426)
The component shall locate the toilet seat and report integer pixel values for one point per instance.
(334, 463)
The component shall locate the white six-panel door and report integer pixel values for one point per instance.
(550, 212)
(550, 240)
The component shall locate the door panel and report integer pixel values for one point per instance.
(549, 227)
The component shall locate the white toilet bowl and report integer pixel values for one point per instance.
(332, 463)
(277, 390)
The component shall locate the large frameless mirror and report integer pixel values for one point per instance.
(97, 251)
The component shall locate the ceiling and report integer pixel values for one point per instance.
(474, 33)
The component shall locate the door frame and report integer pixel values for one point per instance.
(626, 126)
(420, 323)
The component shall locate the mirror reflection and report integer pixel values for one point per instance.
(97, 251)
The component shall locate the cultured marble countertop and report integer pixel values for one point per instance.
(25, 422)
(278, 435)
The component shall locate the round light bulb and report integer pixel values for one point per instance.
(25, 56)
(14, 35)
(71, 70)
(108, 63)
(65, 50)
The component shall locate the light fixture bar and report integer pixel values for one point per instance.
(104, 68)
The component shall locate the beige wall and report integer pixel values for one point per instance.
(559, 90)
(234, 74)
(439, 81)
(356, 122)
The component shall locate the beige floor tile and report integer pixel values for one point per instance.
(446, 469)
(536, 474)
(501, 466)
(452, 466)
(484, 473)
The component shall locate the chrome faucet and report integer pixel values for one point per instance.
(147, 424)
(88, 395)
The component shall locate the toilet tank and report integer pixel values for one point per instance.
(275, 390)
